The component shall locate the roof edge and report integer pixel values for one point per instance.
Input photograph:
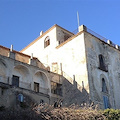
(51, 28)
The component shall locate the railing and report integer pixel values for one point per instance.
(25, 85)
(96, 35)
(60, 72)
(75, 31)
(103, 67)
(68, 77)
(100, 37)
(43, 90)
(4, 79)
(93, 33)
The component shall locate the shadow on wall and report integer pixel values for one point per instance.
(74, 95)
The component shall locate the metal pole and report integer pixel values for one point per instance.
(78, 20)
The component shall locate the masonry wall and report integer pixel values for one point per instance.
(28, 74)
(9, 96)
(95, 47)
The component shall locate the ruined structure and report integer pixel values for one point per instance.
(61, 65)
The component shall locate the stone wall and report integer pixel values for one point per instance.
(9, 96)
(95, 47)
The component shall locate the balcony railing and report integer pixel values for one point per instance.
(4, 79)
(43, 90)
(103, 67)
(24, 85)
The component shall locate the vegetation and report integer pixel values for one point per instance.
(48, 112)
(112, 114)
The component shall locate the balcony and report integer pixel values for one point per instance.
(103, 67)
(43, 90)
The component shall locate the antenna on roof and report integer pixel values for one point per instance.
(78, 20)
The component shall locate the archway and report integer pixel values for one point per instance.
(41, 83)
(3, 71)
(21, 77)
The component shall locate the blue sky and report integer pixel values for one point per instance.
(22, 20)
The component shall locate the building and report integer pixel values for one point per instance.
(86, 63)
(24, 79)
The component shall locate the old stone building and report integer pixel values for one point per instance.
(76, 68)
(24, 80)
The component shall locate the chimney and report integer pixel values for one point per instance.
(11, 54)
(31, 55)
(11, 48)
(116, 46)
(41, 33)
(82, 28)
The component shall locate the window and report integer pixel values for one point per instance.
(56, 88)
(106, 102)
(102, 65)
(36, 87)
(15, 81)
(46, 41)
(54, 67)
(66, 37)
(104, 86)
(105, 96)
(20, 98)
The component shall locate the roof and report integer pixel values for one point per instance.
(34, 41)
(8, 49)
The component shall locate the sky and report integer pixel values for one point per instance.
(22, 20)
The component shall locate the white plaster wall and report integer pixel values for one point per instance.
(71, 55)
(38, 49)
(73, 59)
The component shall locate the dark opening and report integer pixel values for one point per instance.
(56, 88)
(36, 87)
(46, 41)
(102, 65)
(104, 86)
(15, 81)
(41, 101)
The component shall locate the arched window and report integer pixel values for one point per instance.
(104, 86)
(46, 41)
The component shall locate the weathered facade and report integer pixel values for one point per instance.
(75, 68)
(21, 75)
(24, 79)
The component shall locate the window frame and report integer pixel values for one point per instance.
(102, 65)
(104, 86)
(36, 87)
(15, 80)
(56, 88)
(46, 41)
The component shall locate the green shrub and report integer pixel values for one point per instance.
(112, 114)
